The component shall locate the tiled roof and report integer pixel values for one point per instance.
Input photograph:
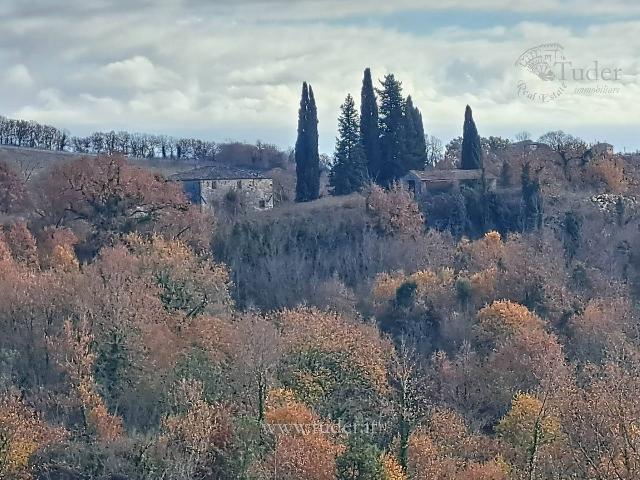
(448, 175)
(217, 172)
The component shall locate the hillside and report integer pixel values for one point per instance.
(40, 159)
(138, 329)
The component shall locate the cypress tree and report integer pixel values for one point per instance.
(392, 130)
(532, 201)
(471, 147)
(349, 171)
(416, 148)
(306, 153)
(369, 129)
(314, 155)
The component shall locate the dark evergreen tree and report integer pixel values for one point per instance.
(572, 234)
(392, 130)
(416, 147)
(349, 171)
(360, 461)
(532, 202)
(306, 153)
(369, 128)
(471, 146)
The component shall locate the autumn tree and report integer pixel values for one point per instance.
(23, 433)
(600, 421)
(332, 360)
(255, 359)
(446, 448)
(568, 147)
(394, 211)
(106, 196)
(303, 448)
(13, 194)
(74, 355)
(22, 243)
(531, 428)
(195, 436)
(410, 395)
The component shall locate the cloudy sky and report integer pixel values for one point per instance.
(232, 69)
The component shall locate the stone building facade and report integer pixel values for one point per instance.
(421, 182)
(210, 185)
(598, 151)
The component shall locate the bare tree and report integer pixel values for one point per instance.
(435, 150)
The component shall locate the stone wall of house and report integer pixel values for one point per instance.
(258, 192)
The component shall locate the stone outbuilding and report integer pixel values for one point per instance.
(528, 146)
(212, 184)
(598, 151)
(423, 181)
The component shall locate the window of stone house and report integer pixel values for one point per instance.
(239, 184)
(262, 204)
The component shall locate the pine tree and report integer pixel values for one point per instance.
(306, 154)
(416, 147)
(471, 147)
(369, 128)
(392, 130)
(349, 171)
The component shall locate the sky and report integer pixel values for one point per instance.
(232, 69)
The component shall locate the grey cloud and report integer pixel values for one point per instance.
(222, 69)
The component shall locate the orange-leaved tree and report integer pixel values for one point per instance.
(22, 433)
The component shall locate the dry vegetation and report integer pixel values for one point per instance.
(341, 339)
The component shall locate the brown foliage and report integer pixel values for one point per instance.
(22, 433)
(445, 449)
(607, 172)
(394, 211)
(303, 448)
(600, 421)
(309, 328)
(105, 195)
(75, 357)
(21, 243)
(13, 194)
(193, 440)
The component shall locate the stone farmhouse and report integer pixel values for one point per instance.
(433, 180)
(212, 184)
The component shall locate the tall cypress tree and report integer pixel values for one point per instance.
(349, 171)
(471, 147)
(416, 147)
(306, 154)
(392, 130)
(369, 129)
(313, 155)
(532, 200)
